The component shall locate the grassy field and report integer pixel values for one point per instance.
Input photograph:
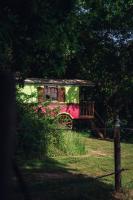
(78, 176)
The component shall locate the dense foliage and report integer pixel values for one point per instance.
(34, 133)
(73, 39)
(104, 55)
(33, 36)
(39, 136)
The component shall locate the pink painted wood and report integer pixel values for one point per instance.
(74, 110)
(71, 109)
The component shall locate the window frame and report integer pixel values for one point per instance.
(48, 91)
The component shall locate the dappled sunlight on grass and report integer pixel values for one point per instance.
(54, 180)
(74, 176)
(98, 160)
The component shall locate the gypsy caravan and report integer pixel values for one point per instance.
(70, 97)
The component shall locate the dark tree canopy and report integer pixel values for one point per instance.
(33, 35)
(104, 54)
(72, 39)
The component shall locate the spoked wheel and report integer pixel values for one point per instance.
(65, 121)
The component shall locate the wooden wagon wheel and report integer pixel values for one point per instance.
(65, 121)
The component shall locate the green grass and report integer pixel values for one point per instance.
(73, 175)
(66, 143)
(99, 160)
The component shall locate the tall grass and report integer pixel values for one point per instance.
(71, 143)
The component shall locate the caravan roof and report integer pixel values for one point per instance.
(59, 81)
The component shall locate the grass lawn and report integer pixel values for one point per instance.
(76, 176)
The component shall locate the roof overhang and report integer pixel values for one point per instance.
(76, 82)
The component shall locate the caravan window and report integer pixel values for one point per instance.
(51, 93)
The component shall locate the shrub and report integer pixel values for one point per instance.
(39, 137)
(35, 132)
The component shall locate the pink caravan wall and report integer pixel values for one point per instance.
(71, 109)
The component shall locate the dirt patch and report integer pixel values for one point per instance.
(98, 153)
(125, 195)
(94, 153)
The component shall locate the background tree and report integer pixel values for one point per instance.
(33, 38)
(29, 34)
(104, 53)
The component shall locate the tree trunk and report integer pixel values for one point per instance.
(7, 130)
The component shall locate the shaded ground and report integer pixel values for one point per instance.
(74, 177)
(62, 185)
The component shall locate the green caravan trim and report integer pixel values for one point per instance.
(29, 93)
(72, 94)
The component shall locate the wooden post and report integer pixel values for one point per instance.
(117, 155)
(7, 130)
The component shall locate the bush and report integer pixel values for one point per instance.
(39, 137)
(35, 132)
